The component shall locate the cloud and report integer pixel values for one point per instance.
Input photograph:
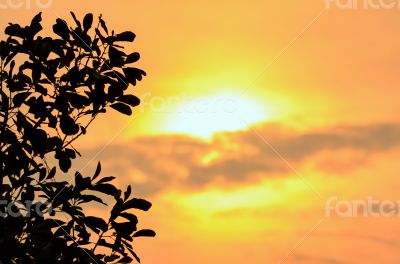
(156, 163)
(310, 259)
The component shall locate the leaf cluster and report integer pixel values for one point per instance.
(52, 89)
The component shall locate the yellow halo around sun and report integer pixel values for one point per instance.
(207, 115)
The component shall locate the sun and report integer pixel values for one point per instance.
(207, 115)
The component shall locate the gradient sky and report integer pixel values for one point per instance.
(253, 114)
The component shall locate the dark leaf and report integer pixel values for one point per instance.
(65, 164)
(15, 30)
(106, 179)
(133, 75)
(116, 57)
(77, 101)
(135, 203)
(125, 36)
(70, 153)
(87, 22)
(68, 125)
(130, 100)
(122, 108)
(64, 160)
(106, 189)
(110, 258)
(131, 217)
(51, 174)
(96, 224)
(145, 233)
(61, 29)
(35, 25)
(8, 137)
(36, 20)
(103, 25)
(97, 172)
(86, 198)
(76, 20)
(127, 192)
(20, 98)
(102, 38)
(133, 57)
(124, 230)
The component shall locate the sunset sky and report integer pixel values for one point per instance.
(253, 114)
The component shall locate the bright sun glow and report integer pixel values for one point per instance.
(221, 210)
(204, 116)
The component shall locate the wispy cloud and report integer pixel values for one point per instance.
(156, 163)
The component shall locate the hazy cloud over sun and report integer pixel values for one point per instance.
(158, 163)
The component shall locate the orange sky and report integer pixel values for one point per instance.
(254, 113)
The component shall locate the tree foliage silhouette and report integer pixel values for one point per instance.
(52, 88)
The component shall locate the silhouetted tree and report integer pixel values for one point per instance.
(52, 88)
